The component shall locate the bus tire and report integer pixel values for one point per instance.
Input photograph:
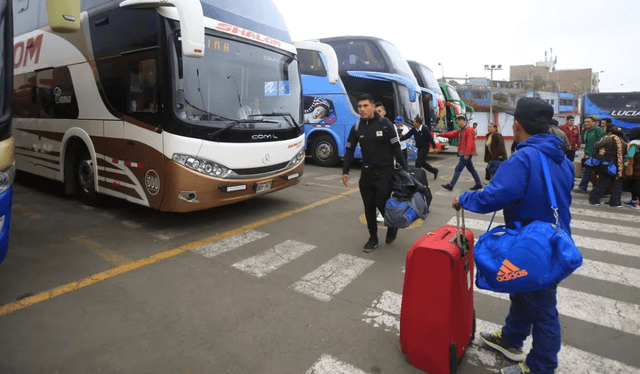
(324, 151)
(84, 172)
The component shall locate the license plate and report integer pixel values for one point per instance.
(262, 187)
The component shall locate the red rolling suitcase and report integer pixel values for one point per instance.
(437, 319)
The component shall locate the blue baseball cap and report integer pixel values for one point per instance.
(399, 119)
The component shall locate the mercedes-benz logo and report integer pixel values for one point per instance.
(266, 158)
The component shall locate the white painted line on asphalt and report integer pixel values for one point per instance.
(589, 225)
(332, 276)
(617, 214)
(604, 245)
(230, 243)
(595, 309)
(330, 365)
(166, 235)
(329, 177)
(273, 258)
(610, 273)
(385, 312)
(571, 360)
(605, 227)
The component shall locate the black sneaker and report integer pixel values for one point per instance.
(447, 187)
(435, 174)
(371, 244)
(495, 341)
(476, 187)
(391, 235)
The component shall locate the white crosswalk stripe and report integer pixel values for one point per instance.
(385, 313)
(599, 310)
(332, 277)
(586, 225)
(581, 241)
(273, 258)
(330, 365)
(230, 243)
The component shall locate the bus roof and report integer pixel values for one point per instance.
(261, 16)
(371, 54)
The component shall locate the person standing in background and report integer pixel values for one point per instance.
(573, 136)
(494, 151)
(555, 130)
(591, 135)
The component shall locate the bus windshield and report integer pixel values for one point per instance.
(399, 63)
(410, 109)
(237, 82)
(453, 94)
(429, 79)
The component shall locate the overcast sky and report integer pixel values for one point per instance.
(597, 34)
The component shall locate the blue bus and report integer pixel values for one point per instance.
(7, 142)
(622, 107)
(428, 81)
(364, 65)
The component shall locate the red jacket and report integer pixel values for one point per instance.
(573, 136)
(466, 140)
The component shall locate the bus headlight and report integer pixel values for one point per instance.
(296, 159)
(203, 166)
(7, 176)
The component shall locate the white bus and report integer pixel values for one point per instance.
(178, 105)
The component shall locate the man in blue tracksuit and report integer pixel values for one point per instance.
(519, 188)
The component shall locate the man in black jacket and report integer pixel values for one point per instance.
(423, 138)
(379, 144)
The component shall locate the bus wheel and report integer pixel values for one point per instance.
(85, 178)
(324, 151)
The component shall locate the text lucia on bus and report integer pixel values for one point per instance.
(625, 113)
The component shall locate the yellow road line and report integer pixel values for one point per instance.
(324, 185)
(107, 254)
(104, 275)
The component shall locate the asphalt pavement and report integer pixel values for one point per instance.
(278, 284)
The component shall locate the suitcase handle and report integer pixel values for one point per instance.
(461, 237)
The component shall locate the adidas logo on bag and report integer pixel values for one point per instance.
(509, 271)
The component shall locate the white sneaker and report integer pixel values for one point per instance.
(380, 218)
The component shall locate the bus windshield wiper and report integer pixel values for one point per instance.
(287, 117)
(214, 135)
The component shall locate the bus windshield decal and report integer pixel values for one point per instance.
(247, 34)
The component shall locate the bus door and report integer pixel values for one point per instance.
(406, 96)
(430, 107)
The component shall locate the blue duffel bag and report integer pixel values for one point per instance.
(400, 213)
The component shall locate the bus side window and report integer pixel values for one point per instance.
(143, 86)
(56, 96)
(24, 95)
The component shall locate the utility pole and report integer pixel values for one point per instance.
(492, 68)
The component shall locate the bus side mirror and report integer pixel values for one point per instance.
(329, 54)
(64, 15)
(190, 15)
